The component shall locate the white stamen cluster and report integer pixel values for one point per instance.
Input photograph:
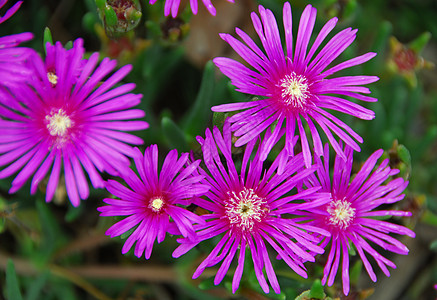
(52, 78)
(294, 90)
(245, 208)
(156, 204)
(58, 123)
(341, 214)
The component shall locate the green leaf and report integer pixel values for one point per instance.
(12, 286)
(153, 28)
(47, 38)
(379, 46)
(404, 154)
(89, 20)
(3, 208)
(218, 119)
(2, 224)
(350, 8)
(200, 113)
(382, 35)
(304, 296)
(433, 246)
(425, 142)
(420, 42)
(128, 233)
(316, 291)
(68, 45)
(51, 233)
(101, 4)
(34, 290)
(355, 271)
(110, 16)
(207, 283)
(155, 67)
(173, 134)
(74, 212)
(351, 250)
(429, 218)
(64, 290)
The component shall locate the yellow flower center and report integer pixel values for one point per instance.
(156, 204)
(246, 208)
(58, 123)
(294, 90)
(52, 78)
(341, 214)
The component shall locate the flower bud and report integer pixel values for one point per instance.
(119, 16)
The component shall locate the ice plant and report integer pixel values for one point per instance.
(12, 69)
(152, 199)
(172, 6)
(68, 117)
(352, 214)
(295, 86)
(251, 210)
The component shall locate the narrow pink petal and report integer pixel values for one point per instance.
(239, 271)
(135, 236)
(70, 181)
(268, 266)
(10, 11)
(30, 168)
(349, 63)
(226, 263)
(345, 267)
(54, 177)
(304, 141)
(258, 272)
(306, 25)
(327, 28)
(288, 27)
(42, 171)
(82, 183)
(328, 265)
(365, 261)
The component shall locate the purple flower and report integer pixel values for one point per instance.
(249, 209)
(12, 69)
(172, 6)
(294, 85)
(351, 215)
(151, 200)
(70, 119)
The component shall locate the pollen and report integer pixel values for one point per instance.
(245, 209)
(294, 90)
(52, 78)
(341, 213)
(156, 204)
(58, 123)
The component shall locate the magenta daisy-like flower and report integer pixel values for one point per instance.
(296, 86)
(172, 6)
(152, 202)
(69, 117)
(352, 214)
(12, 69)
(251, 210)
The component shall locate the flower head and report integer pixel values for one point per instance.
(12, 69)
(69, 116)
(172, 6)
(295, 85)
(350, 215)
(151, 200)
(251, 209)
